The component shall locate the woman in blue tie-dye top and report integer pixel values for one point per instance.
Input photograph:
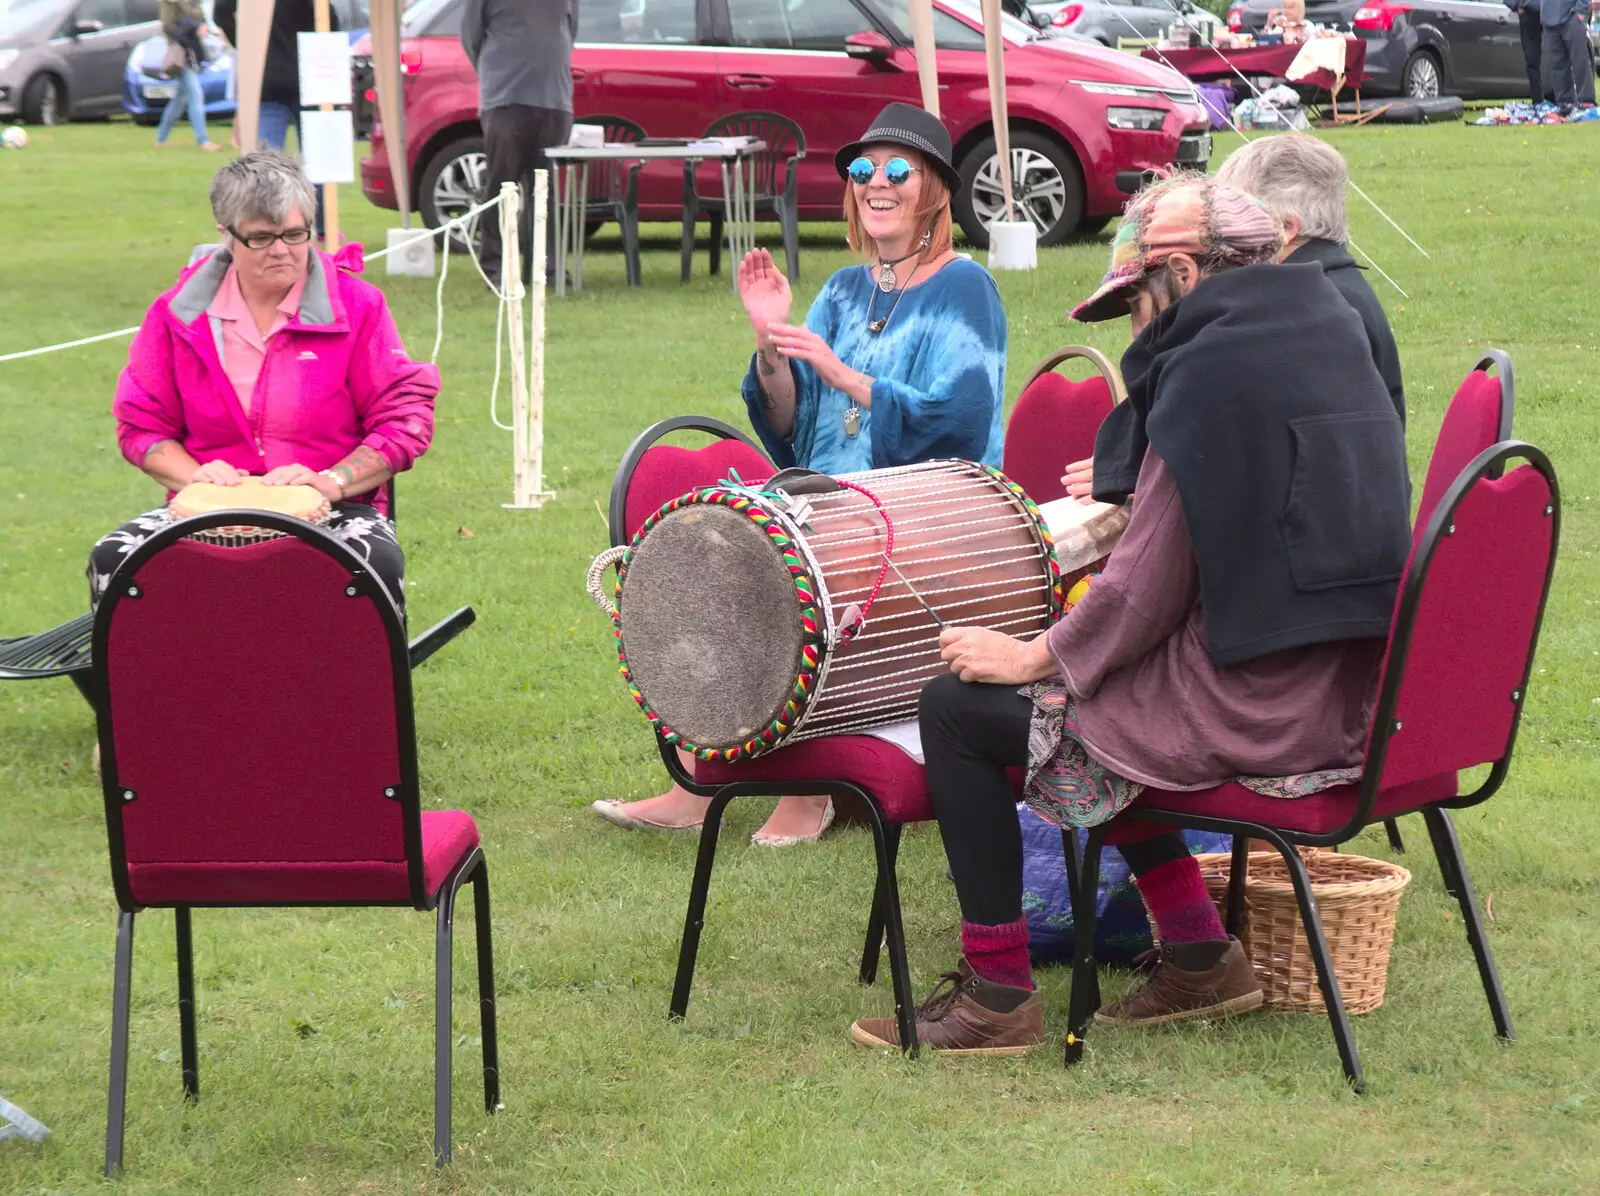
(902, 359)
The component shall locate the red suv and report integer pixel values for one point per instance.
(1085, 121)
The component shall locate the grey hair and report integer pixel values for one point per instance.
(264, 185)
(1294, 174)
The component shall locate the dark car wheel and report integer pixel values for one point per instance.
(1421, 78)
(1048, 185)
(44, 101)
(452, 183)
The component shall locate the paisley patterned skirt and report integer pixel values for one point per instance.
(1068, 787)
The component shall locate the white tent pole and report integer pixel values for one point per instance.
(385, 18)
(250, 64)
(994, 45)
(922, 43)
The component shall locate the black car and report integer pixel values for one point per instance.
(1422, 48)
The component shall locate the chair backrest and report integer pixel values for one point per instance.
(784, 142)
(653, 474)
(254, 707)
(606, 175)
(1055, 421)
(1461, 649)
(1478, 416)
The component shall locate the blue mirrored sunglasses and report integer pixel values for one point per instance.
(897, 172)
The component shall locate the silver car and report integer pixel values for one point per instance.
(64, 59)
(1104, 21)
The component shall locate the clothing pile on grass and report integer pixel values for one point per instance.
(1278, 109)
(1520, 112)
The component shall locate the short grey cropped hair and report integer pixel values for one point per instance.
(264, 185)
(1294, 174)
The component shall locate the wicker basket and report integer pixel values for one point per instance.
(1357, 898)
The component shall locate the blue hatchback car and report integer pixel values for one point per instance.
(145, 93)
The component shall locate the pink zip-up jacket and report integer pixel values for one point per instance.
(335, 376)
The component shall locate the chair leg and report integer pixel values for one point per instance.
(1393, 829)
(186, 1008)
(905, 1009)
(695, 917)
(1237, 869)
(790, 220)
(691, 213)
(718, 222)
(81, 678)
(630, 247)
(1085, 998)
(486, 1006)
(1445, 850)
(874, 947)
(1443, 832)
(1338, 1017)
(122, 979)
(442, 977)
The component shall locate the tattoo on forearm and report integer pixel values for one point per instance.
(158, 450)
(362, 463)
(768, 370)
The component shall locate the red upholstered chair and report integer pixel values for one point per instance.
(1454, 680)
(1479, 416)
(885, 783)
(258, 749)
(1055, 421)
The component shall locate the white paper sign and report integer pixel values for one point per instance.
(324, 69)
(328, 146)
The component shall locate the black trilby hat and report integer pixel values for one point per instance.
(909, 126)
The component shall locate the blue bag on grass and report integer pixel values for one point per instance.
(1121, 929)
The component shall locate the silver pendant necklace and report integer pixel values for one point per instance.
(852, 413)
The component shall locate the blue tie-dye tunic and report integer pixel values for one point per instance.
(939, 372)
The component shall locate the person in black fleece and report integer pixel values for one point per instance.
(1302, 180)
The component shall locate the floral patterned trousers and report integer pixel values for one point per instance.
(368, 533)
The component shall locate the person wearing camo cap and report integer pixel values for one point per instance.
(1233, 635)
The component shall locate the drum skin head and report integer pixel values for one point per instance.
(711, 625)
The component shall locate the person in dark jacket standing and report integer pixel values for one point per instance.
(522, 51)
(1302, 180)
(1532, 34)
(1566, 47)
(280, 85)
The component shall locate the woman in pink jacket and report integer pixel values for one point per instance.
(270, 360)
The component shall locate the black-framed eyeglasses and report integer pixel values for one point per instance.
(259, 241)
(897, 171)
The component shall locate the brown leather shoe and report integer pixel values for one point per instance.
(1174, 993)
(966, 1015)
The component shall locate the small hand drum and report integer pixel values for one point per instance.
(748, 619)
(200, 498)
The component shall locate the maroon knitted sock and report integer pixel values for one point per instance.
(999, 953)
(1179, 903)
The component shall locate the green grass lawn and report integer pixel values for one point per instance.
(315, 1026)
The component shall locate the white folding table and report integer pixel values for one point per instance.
(570, 163)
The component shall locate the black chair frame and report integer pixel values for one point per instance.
(474, 869)
(614, 191)
(782, 202)
(66, 650)
(884, 918)
(1447, 847)
(1499, 361)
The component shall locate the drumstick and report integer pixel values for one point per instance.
(938, 622)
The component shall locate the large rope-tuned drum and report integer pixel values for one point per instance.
(201, 498)
(750, 618)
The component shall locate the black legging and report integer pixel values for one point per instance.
(971, 734)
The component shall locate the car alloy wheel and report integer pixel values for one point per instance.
(1041, 192)
(50, 102)
(455, 189)
(1046, 184)
(1422, 77)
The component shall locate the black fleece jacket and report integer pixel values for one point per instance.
(281, 83)
(1258, 391)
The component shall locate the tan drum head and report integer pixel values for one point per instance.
(199, 498)
(711, 625)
